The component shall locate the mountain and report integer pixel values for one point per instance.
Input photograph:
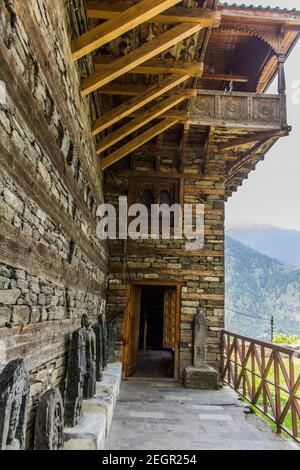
(278, 243)
(260, 286)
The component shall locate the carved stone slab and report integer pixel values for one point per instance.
(49, 425)
(89, 389)
(75, 378)
(104, 340)
(200, 340)
(111, 344)
(14, 398)
(99, 351)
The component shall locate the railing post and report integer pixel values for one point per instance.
(282, 89)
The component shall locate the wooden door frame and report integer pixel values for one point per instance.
(154, 283)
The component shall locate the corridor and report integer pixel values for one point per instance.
(162, 415)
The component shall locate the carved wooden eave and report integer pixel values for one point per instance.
(170, 72)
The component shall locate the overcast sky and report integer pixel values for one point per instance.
(271, 195)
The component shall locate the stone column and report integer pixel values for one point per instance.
(200, 340)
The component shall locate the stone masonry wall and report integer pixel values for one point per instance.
(52, 266)
(201, 272)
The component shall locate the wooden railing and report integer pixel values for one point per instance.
(267, 376)
(237, 109)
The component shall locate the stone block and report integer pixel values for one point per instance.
(90, 433)
(4, 316)
(201, 379)
(9, 297)
(13, 201)
(21, 314)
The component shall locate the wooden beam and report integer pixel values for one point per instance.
(19, 250)
(121, 24)
(156, 66)
(165, 66)
(181, 116)
(252, 138)
(139, 56)
(14, 164)
(220, 77)
(184, 145)
(137, 142)
(109, 10)
(136, 103)
(137, 123)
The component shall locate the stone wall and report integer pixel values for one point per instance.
(52, 266)
(201, 272)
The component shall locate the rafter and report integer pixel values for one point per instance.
(109, 10)
(156, 66)
(137, 142)
(134, 104)
(139, 122)
(252, 138)
(139, 56)
(121, 24)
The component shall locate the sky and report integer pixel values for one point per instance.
(271, 195)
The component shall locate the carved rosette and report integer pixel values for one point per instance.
(49, 426)
(234, 109)
(203, 106)
(266, 110)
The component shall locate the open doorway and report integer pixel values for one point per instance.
(152, 331)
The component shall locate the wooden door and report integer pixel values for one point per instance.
(170, 313)
(134, 312)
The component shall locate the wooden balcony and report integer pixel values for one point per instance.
(238, 110)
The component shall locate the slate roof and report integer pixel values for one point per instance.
(260, 7)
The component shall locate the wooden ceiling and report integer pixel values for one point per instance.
(150, 55)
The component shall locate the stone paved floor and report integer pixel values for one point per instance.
(162, 415)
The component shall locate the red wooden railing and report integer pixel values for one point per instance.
(267, 376)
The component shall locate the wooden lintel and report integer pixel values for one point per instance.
(134, 104)
(153, 113)
(137, 142)
(126, 20)
(138, 56)
(108, 10)
(156, 66)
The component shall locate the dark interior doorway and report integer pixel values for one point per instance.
(153, 359)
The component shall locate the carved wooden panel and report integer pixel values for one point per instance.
(250, 110)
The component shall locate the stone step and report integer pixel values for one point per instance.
(91, 433)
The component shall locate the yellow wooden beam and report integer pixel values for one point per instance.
(138, 56)
(121, 24)
(138, 122)
(134, 104)
(178, 114)
(108, 10)
(137, 142)
(156, 66)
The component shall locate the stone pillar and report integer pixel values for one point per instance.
(200, 340)
(200, 376)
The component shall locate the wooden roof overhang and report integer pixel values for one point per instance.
(167, 70)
